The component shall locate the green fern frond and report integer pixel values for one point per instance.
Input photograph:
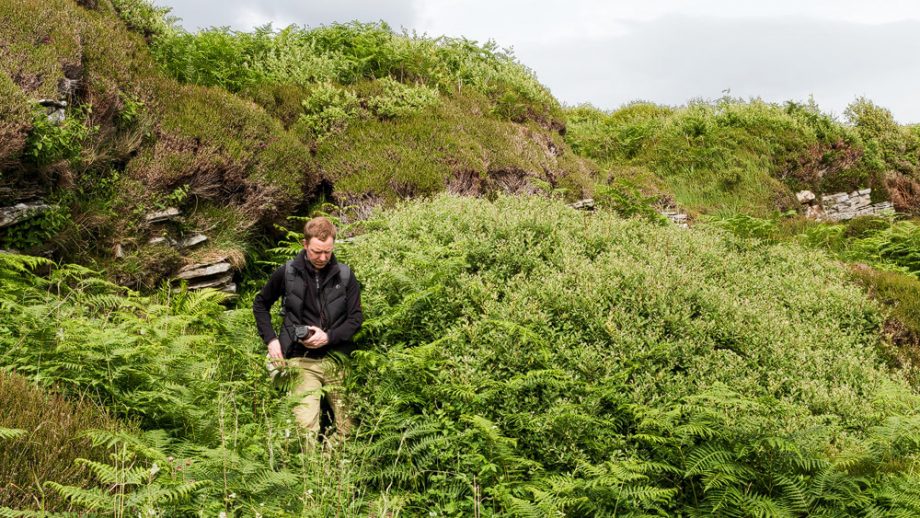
(89, 499)
(11, 433)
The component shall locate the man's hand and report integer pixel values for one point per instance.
(274, 350)
(318, 339)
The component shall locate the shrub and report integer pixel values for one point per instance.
(897, 246)
(865, 226)
(50, 141)
(889, 147)
(349, 53)
(628, 201)
(399, 100)
(531, 359)
(37, 231)
(145, 17)
(900, 295)
(213, 57)
(327, 110)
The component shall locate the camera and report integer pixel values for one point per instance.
(301, 333)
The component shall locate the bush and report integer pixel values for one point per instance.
(50, 141)
(900, 295)
(399, 100)
(897, 246)
(327, 110)
(531, 359)
(627, 201)
(37, 231)
(350, 53)
(145, 17)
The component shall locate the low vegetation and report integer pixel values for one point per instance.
(43, 438)
(519, 359)
(730, 156)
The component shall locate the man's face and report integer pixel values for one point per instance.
(319, 252)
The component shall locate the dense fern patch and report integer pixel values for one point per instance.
(520, 358)
(529, 360)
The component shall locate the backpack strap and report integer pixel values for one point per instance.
(344, 274)
(288, 284)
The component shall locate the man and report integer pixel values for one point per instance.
(322, 312)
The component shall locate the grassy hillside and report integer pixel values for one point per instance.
(238, 130)
(731, 156)
(519, 358)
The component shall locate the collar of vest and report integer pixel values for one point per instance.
(302, 266)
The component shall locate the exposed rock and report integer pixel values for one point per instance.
(212, 282)
(162, 215)
(55, 109)
(194, 271)
(52, 103)
(805, 197)
(193, 241)
(586, 204)
(21, 212)
(814, 212)
(845, 206)
(119, 251)
(161, 240)
(217, 275)
(678, 218)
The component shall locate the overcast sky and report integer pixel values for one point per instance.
(608, 53)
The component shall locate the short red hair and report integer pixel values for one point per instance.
(320, 228)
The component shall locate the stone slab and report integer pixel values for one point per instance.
(162, 215)
(195, 271)
(21, 212)
(193, 241)
(212, 282)
(805, 196)
(586, 204)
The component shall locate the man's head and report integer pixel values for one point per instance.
(318, 241)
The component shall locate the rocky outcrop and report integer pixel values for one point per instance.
(216, 274)
(842, 206)
(161, 216)
(21, 212)
(678, 218)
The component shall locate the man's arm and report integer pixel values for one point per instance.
(261, 308)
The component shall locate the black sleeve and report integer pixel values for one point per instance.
(262, 305)
(341, 335)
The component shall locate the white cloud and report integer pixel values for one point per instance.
(673, 59)
(245, 15)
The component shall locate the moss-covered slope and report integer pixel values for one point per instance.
(238, 131)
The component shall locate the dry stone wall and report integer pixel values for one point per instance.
(842, 206)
